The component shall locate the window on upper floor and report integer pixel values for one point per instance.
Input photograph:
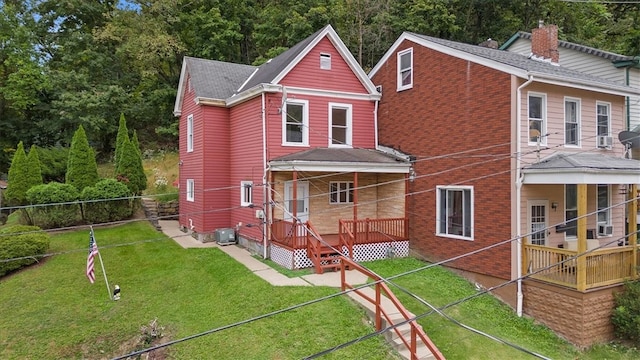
(325, 61)
(603, 125)
(341, 192)
(571, 210)
(405, 69)
(339, 124)
(455, 211)
(572, 122)
(604, 213)
(191, 190)
(295, 122)
(190, 133)
(537, 105)
(246, 193)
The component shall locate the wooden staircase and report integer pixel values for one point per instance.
(324, 258)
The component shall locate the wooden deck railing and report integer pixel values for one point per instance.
(376, 230)
(382, 289)
(605, 266)
(346, 237)
(290, 234)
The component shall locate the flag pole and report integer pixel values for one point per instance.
(102, 265)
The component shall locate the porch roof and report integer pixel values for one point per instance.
(341, 160)
(583, 168)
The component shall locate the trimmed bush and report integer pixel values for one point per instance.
(130, 170)
(106, 210)
(57, 214)
(626, 315)
(18, 178)
(19, 241)
(82, 170)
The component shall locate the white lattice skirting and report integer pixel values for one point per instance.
(298, 259)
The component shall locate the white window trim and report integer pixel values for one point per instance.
(578, 121)
(399, 69)
(543, 128)
(349, 186)
(569, 237)
(325, 61)
(190, 133)
(246, 193)
(191, 190)
(471, 206)
(305, 123)
(608, 210)
(349, 125)
(608, 105)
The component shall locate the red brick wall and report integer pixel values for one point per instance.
(454, 106)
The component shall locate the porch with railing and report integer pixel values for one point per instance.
(596, 268)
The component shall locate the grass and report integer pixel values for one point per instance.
(51, 311)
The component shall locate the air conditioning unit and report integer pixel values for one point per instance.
(605, 141)
(225, 236)
(605, 230)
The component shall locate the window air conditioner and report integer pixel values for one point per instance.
(225, 236)
(605, 230)
(605, 141)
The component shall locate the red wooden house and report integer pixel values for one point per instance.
(518, 170)
(286, 154)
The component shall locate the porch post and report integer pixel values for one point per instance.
(582, 237)
(632, 213)
(294, 208)
(355, 197)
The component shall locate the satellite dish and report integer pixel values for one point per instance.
(630, 138)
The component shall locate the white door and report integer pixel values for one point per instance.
(538, 217)
(303, 200)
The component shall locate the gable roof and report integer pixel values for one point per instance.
(224, 84)
(511, 63)
(571, 46)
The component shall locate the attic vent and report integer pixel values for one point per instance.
(379, 89)
(325, 61)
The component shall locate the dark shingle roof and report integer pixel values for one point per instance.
(585, 161)
(519, 61)
(577, 47)
(340, 155)
(216, 79)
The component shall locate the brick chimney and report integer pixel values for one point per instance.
(544, 42)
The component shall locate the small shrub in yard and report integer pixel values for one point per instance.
(626, 314)
(113, 203)
(64, 209)
(19, 241)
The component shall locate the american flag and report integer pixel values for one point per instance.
(93, 251)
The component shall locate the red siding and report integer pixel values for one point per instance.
(454, 106)
(307, 73)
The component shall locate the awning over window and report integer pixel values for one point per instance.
(341, 159)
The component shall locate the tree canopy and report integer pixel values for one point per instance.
(76, 62)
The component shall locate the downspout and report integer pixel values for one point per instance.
(519, 178)
(628, 99)
(375, 122)
(265, 185)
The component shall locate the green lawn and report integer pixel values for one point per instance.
(51, 311)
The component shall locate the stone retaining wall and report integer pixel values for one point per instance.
(168, 210)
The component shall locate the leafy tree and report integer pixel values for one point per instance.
(82, 170)
(18, 181)
(123, 134)
(130, 170)
(136, 143)
(34, 169)
(54, 163)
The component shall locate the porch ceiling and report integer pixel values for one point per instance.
(341, 160)
(582, 168)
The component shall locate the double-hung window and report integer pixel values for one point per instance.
(405, 69)
(341, 192)
(339, 124)
(604, 118)
(295, 123)
(191, 190)
(455, 211)
(246, 193)
(571, 210)
(190, 133)
(571, 122)
(537, 115)
(604, 213)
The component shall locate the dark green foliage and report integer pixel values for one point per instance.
(106, 210)
(18, 182)
(34, 169)
(82, 170)
(123, 134)
(136, 143)
(129, 169)
(626, 315)
(18, 241)
(53, 161)
(64, 211)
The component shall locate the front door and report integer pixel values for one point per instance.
(538, 222)
(302, 202)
